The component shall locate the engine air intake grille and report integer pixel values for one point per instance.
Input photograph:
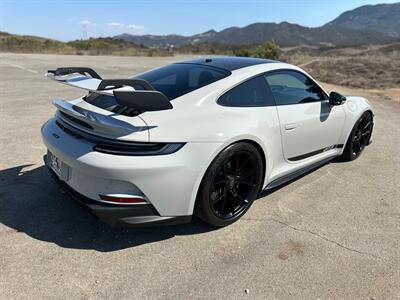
(68, 131)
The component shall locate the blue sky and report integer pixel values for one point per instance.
(73, 19)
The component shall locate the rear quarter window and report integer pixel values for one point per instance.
(251, 93)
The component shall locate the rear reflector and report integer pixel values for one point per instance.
(122, 199)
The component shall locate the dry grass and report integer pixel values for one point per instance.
(363, 72)
(369, 67)
(93, 46)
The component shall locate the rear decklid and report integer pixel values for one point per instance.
(112, 107)
(97, 121)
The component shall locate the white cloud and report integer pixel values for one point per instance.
(133, 26)
(87, 23)
(121, 26)
(115, 24)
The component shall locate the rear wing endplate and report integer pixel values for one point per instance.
(132, 93)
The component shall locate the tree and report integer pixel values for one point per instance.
(269, 50)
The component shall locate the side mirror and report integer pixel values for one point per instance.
(336, 98)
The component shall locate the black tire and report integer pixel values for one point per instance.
(230, 185)
(359, 137)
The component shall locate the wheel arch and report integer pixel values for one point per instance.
(371, 113)
(248, 140)
(354, 119)
(262, 153)
(355, 107)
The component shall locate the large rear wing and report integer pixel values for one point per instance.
(132, 93)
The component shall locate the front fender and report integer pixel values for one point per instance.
(354, 107)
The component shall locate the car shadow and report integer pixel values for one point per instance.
(30, 202)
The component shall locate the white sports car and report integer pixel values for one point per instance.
(202, 137)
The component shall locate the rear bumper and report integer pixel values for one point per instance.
(169, 183)
(117, 215)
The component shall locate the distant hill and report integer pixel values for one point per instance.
(93, 46)
(384, 18)
(371, 24)
(285, 34)
(26, 43)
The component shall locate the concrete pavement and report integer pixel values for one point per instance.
(333, 233)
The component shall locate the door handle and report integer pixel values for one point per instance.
(291, 126)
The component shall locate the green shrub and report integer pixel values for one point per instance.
(269, 50)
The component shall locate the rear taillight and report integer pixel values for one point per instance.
(123, 199)
(137, 149)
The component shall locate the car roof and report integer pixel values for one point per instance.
(229, 62)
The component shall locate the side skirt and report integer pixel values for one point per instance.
(286, 178)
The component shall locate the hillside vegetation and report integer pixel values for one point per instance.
(92, 46)
(26, 43)
(269, 50)
(364, 67)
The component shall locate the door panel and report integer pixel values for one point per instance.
(309, 124)
(310, 128)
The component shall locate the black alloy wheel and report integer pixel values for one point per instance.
(359, 137)
(230, 185)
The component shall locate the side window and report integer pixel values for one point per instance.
(291, 87)
(253, 92)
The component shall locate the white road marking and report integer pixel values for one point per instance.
(20, 67)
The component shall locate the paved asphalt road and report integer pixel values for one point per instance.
(334, 233)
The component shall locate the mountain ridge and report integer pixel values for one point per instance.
(364, 25)
(383, 18)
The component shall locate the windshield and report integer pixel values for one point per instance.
(178, 79)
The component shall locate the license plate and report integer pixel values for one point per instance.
(55, 164)
(61, 169)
